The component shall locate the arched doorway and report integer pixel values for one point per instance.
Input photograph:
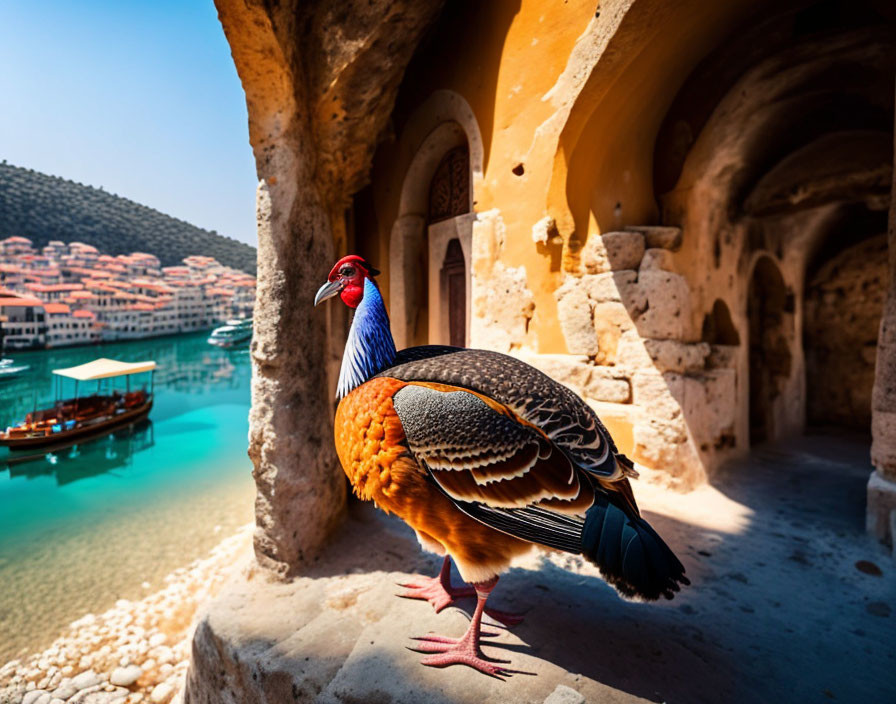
(770, 316)
(449, 204)
(454, 282)
(436, 210)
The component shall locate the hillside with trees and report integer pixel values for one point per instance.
(44, 208)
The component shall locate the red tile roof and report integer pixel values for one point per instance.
(23, 301)
(56, 308)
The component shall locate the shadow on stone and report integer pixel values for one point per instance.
(777, 608)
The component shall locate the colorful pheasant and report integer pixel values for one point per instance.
(483, 455)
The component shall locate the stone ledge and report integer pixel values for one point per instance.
(339, 633)
(881, 508)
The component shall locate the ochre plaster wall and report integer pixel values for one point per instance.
(566, 104)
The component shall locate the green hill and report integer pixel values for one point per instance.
(44, 208)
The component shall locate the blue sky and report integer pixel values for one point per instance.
(137, 96)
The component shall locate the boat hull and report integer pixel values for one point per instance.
(83, 433)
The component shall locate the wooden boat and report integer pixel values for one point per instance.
(80, 417)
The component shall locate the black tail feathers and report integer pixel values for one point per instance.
(630, 554)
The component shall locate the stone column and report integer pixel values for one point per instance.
(405, 290)
(881, 515)
(317, 106)
(300, 493)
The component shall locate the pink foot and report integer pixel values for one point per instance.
(443, 651)
(438, 591)
(460, 651)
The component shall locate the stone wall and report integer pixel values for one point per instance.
(881, 514)
(351, 109)
(626, 316)
(844, 301)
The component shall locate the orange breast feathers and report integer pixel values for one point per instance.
(371, 445)
(370, 441)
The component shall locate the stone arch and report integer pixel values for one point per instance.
(779, 139)
(770, 324)
(418, 246)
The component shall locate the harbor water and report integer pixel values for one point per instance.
(109, 518)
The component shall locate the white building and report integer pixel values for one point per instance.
(24, 323)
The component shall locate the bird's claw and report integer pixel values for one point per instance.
(432, 589)
(442, 652)
(446, 639)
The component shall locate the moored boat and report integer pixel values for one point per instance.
(9, 369)
(231, 334)
(81, 417)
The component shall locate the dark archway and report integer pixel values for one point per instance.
(769, 310)
(454, 285)
(448, 225)
(843, 304)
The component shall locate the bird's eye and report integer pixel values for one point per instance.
(347, 271)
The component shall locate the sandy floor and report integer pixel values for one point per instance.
(136, 651)
(790, 602)
(59, 578)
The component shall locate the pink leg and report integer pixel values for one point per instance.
(437, 590)
(465, 650)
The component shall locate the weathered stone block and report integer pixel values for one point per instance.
(881, 506)
(674, 356)
(619, 286)
(657, 259)
(668, 305)
(659, 236)
(575, 315)
(611, 321)
(658, 394)
(883, 447)
(656, 442)
(608, 385)
(612, 251)
(502, 307)
(632, 353)
(544, 230)
(571, 370)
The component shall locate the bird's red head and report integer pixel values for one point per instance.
(347, 279)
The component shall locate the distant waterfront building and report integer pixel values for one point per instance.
(66, 327)
(24, 324)
(82, 295)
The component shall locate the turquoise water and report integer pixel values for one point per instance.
(85, 526)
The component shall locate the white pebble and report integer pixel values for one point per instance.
(85, 680)
(126, 676)
(161, 693)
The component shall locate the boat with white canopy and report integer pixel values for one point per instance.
(83, 416)
(233, 334)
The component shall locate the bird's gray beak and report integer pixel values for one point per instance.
(328, 290)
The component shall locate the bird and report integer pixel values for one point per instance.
(484, 456)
